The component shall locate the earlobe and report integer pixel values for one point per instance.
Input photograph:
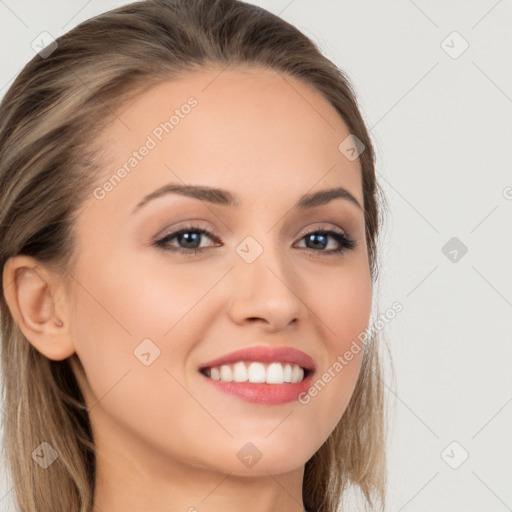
(30, 293)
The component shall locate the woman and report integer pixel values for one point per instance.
(189, 222)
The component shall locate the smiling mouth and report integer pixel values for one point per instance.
(257, 372)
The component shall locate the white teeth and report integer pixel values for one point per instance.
(287, 373)
(275, 374)
(256, 372)
(240, 373)
(225, 373)
(297, 373)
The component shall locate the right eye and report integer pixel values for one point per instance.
(189, 235)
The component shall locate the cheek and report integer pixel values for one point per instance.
(131, 313)
(344, 308)
(120, 324)
(127, 299)
(111, 318)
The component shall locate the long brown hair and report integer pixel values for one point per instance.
(50, 159)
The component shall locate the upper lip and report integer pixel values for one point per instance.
(264, 354)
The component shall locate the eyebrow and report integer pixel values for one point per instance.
(225, 198)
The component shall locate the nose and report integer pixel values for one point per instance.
(267, 291)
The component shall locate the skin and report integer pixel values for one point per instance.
(166, 439)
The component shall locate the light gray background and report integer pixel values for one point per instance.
(442, 129)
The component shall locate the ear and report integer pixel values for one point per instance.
(32, 295)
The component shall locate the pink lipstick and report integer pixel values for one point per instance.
(265, 375)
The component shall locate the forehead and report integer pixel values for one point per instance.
(246, 128)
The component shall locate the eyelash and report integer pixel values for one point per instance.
(345, 241)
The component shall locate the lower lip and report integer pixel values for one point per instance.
(268, 394)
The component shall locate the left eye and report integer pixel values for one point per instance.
(190, 237)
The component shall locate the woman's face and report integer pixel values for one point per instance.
(148, 318)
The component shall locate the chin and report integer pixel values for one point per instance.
(274, 454)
